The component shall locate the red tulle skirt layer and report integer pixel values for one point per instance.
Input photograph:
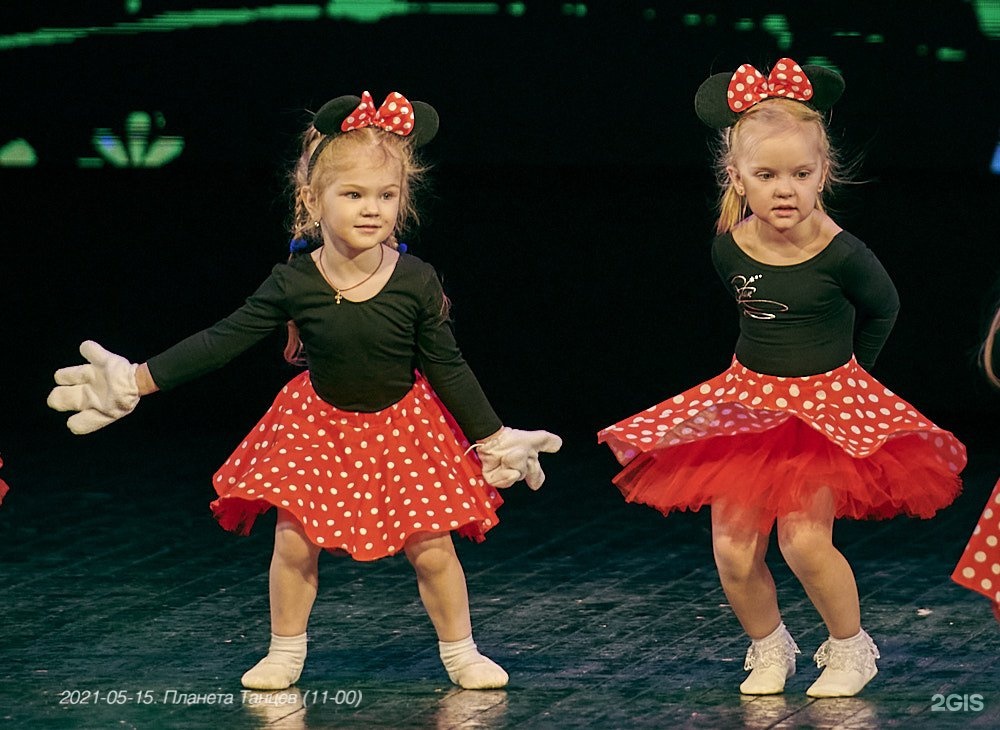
(361, 483)
(979, 567)
(766, 444)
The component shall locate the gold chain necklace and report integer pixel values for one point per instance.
(340, 292)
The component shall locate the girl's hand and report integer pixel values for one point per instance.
(511, 455)
(102, 391)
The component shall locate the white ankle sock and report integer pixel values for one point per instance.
(282, 666)
(848, 665)
(772, 661)
(468, 668)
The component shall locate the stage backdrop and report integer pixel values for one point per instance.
(144, 149)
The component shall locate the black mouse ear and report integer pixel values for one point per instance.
(711, 102)
(425, 123)
(332, 114)
(828, 85)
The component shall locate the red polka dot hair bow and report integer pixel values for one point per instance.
(417, 121)
(723, 97)
(395, 115)
(748, 86)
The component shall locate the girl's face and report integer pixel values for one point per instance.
(780, 172)
(358, 209)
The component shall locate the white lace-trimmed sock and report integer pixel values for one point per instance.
(468, 668)
(771, 661)
(848, 665)
(282, 666)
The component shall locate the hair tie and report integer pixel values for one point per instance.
(417, 121)
(721, 98)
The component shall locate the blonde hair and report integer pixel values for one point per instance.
(779, 115)
(987, 352)
(341, 153)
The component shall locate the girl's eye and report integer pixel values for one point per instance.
(803, 174)
(764, 175)
(353, 195)
(388, 196)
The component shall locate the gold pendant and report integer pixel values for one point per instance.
(338, 296)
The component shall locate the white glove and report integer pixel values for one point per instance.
(512, 455)
(102, 391)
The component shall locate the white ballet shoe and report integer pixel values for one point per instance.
(468, 668)
(848, 665)
(771, 661)
(282, 666)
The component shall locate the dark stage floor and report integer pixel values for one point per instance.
(125, 606)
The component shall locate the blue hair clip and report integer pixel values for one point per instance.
(298, 245)
(402, 247)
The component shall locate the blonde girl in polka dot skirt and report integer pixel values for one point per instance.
(796, 432)
(368, 451)
(979, 567)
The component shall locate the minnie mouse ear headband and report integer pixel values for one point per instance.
(417, 121)
(723, 97)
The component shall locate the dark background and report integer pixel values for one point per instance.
(569, 213)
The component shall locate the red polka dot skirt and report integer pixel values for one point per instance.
(361, 483)
(3, 485)
(979, 567)
(768, 443)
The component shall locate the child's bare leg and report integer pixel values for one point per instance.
(294, 580)
(441, 582)
(806, 541)
(746, 580)
(740, 550)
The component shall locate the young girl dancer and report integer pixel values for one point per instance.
(358, 454)
(796, 431)
(979, 567)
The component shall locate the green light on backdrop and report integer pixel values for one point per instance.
(988, 15)
(691, 19)
(461, 8)
(372, 11)
(777, 25)
(950, 54)
(364, 11)
(166, 21)
(18, 153)
(135, 150)
(577, 9)
(744, 24)
(875, 38)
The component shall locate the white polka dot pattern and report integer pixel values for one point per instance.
(395, 115)
(979, 566)
(359, 482)
(846, 405)
(748, 86)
